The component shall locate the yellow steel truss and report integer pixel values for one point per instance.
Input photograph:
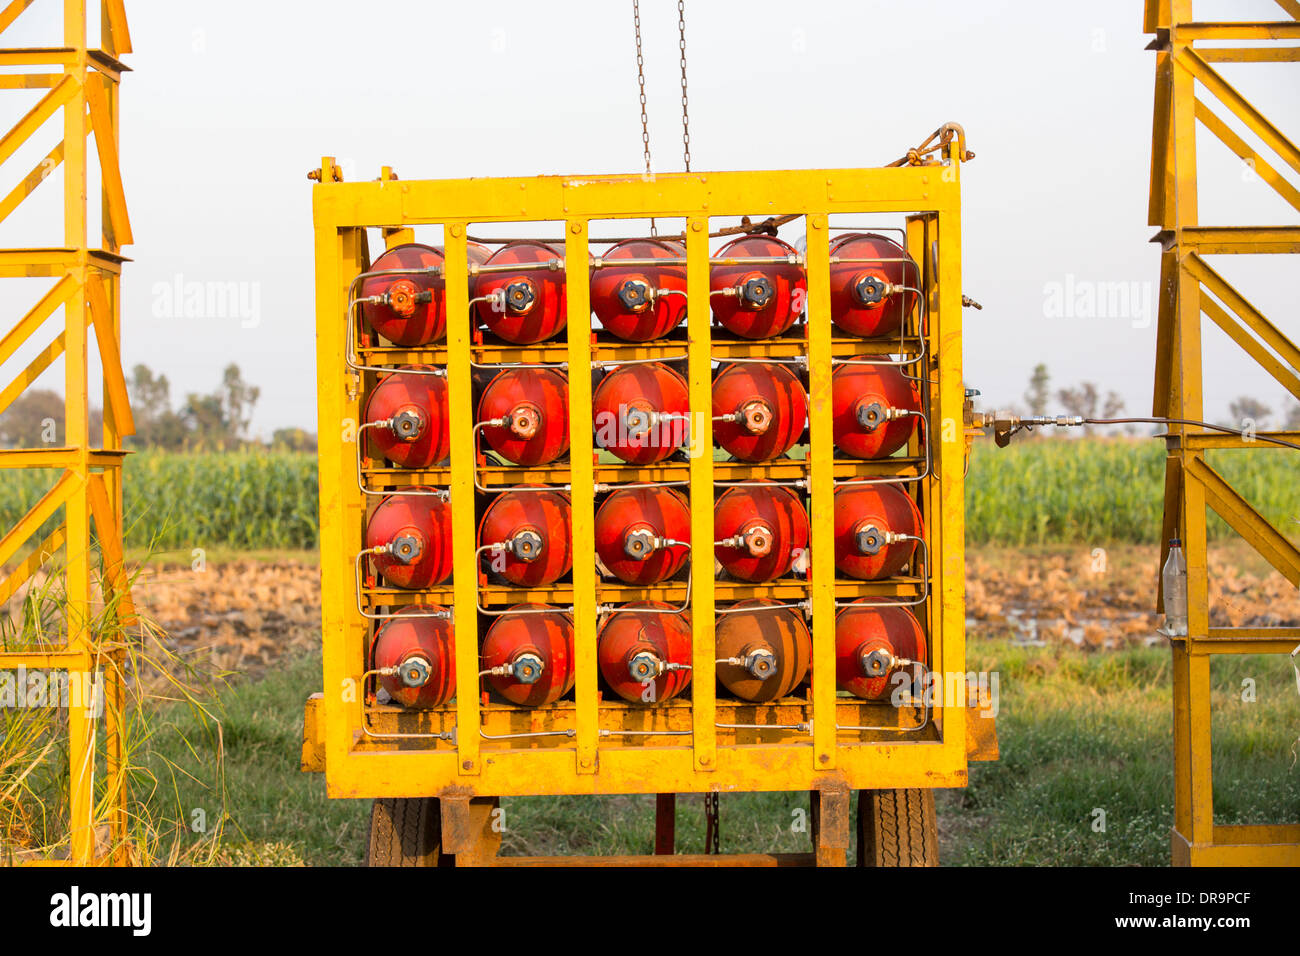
(82, 83)
(1190, 287)
(460, 755)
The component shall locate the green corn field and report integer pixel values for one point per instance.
(1047, 491)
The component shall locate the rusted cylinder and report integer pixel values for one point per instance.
(641, 412)
(533, 654)
(759, 410)
(531, 406)
(528, 303)
(423, 651)
(871, 644)
(415, 531)
(645, 657)
(773, 644)
(535, 531)
(865, 515)
(643, 534)
(410, 409)
(759, 531)
(640, 303)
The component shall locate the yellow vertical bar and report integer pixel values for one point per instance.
(700, 380)
(821, 455)
(465, 577)
(341, 693)
(582, 492)
(948, 566)
(1188, 403)
(81, 728)
(920, 230)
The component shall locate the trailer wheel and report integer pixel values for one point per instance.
(897, 828)
(405, 832)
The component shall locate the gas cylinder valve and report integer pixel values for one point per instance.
(525, 545)
(415, 671)
(519, 296)
(874, 415)
(648, 665)
(642, 542)
(879, 662)
(756, 539)
(871, 539)
(406, 548)
(760, 663)
(406, 424)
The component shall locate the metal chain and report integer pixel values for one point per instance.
(640, 78)
(712, 843)
(686, 118)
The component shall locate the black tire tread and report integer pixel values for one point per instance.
(897, 828)
(404, 831)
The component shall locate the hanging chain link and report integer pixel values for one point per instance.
(686, 118)
(645, 121)
(640, 78)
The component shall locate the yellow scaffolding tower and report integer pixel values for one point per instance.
(1188, 288)
(82, 83)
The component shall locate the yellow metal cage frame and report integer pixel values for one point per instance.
(82, 83)
(592, 757)
(1190, 287)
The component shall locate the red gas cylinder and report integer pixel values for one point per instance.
(645, 657)
(530, 655)
(759, 410)
(867, 400)
(533, 535)
(872, 298)
(639, 302)
(760, 529)
(866, 515)
(771, 646)
(529, 301)
(764, 298)
(643, 534)
(642, 412)
(415, 530)
(871, 643)
(414, 307)
(424, 653)
(532, 405)
(410, 412)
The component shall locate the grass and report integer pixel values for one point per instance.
(1078, 731)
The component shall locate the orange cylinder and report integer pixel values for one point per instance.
(871, 298)
(532, 654)
(410, 411)
(532, 407)
(643, 534)
(871, 643)
(765, 409)
(641, 412)
(644, 656)
(529, 302)
(757, 301)
(759, 531)
(773, 644)
(640, 303)
(535, 532)
(415, 530)
(863, 397)
(866, 515)
(423, 650)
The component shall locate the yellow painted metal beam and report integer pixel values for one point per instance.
(42, 553)
(582, 493)
(11, 12)
(102, 125)
(822, 491)
(1246, 521)
(41, 311)
(1257, 163)
(29, 182)
(35, 368)
(38, 514)
(62, 93)
(700, 387)
(101, 314)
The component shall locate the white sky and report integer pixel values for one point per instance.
(231, 103)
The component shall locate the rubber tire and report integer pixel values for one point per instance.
(405, 832)
(897, 828)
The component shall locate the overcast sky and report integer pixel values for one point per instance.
(231, 103)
